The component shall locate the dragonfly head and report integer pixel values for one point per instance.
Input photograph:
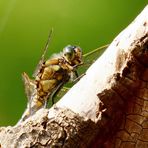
(73, 55)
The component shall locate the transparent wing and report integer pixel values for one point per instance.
(40, 64)
(30, 86)
(90, 57)
(30, 90)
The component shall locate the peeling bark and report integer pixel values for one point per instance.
(107, 108)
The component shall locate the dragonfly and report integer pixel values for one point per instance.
(51, 75)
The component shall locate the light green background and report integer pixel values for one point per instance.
(24, 27)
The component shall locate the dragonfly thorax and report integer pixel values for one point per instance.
(73, 55)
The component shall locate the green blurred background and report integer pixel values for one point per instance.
(24, 27)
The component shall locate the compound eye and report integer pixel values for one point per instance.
(69, 53)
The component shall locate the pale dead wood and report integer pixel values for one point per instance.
(108, 107)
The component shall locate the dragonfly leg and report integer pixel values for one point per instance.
(79, 77)
(55, 92)
(76, 74)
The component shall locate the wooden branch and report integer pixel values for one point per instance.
(108, 107)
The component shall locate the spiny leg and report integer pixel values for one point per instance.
(52, 95)
(79, 77)
(75, 73)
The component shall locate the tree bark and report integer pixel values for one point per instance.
(107, 108)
